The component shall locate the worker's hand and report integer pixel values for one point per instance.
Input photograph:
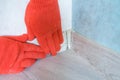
(15, 56)
(43, 21)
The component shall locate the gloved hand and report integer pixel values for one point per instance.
(21, 38)
(15, 56)
(43, 21)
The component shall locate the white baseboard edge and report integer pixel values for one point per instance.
(67, 40)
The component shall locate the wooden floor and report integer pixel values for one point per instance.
(85, 61)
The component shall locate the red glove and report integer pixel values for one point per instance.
(21, 38)
(43, 21)
(16, 56)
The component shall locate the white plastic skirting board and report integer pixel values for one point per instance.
(67, 41)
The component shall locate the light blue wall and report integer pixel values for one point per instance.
(98, 20)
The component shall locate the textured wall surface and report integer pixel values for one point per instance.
(98, 20)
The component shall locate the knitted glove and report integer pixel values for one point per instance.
(21, 38)
(15, 56)
(43, 21)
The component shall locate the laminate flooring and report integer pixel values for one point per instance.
(85, 61)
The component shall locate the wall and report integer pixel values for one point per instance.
(66, 13)
(12, 16)
(98, 20)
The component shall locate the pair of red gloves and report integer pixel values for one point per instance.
(42, 18)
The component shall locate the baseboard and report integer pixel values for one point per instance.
(67, 41)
